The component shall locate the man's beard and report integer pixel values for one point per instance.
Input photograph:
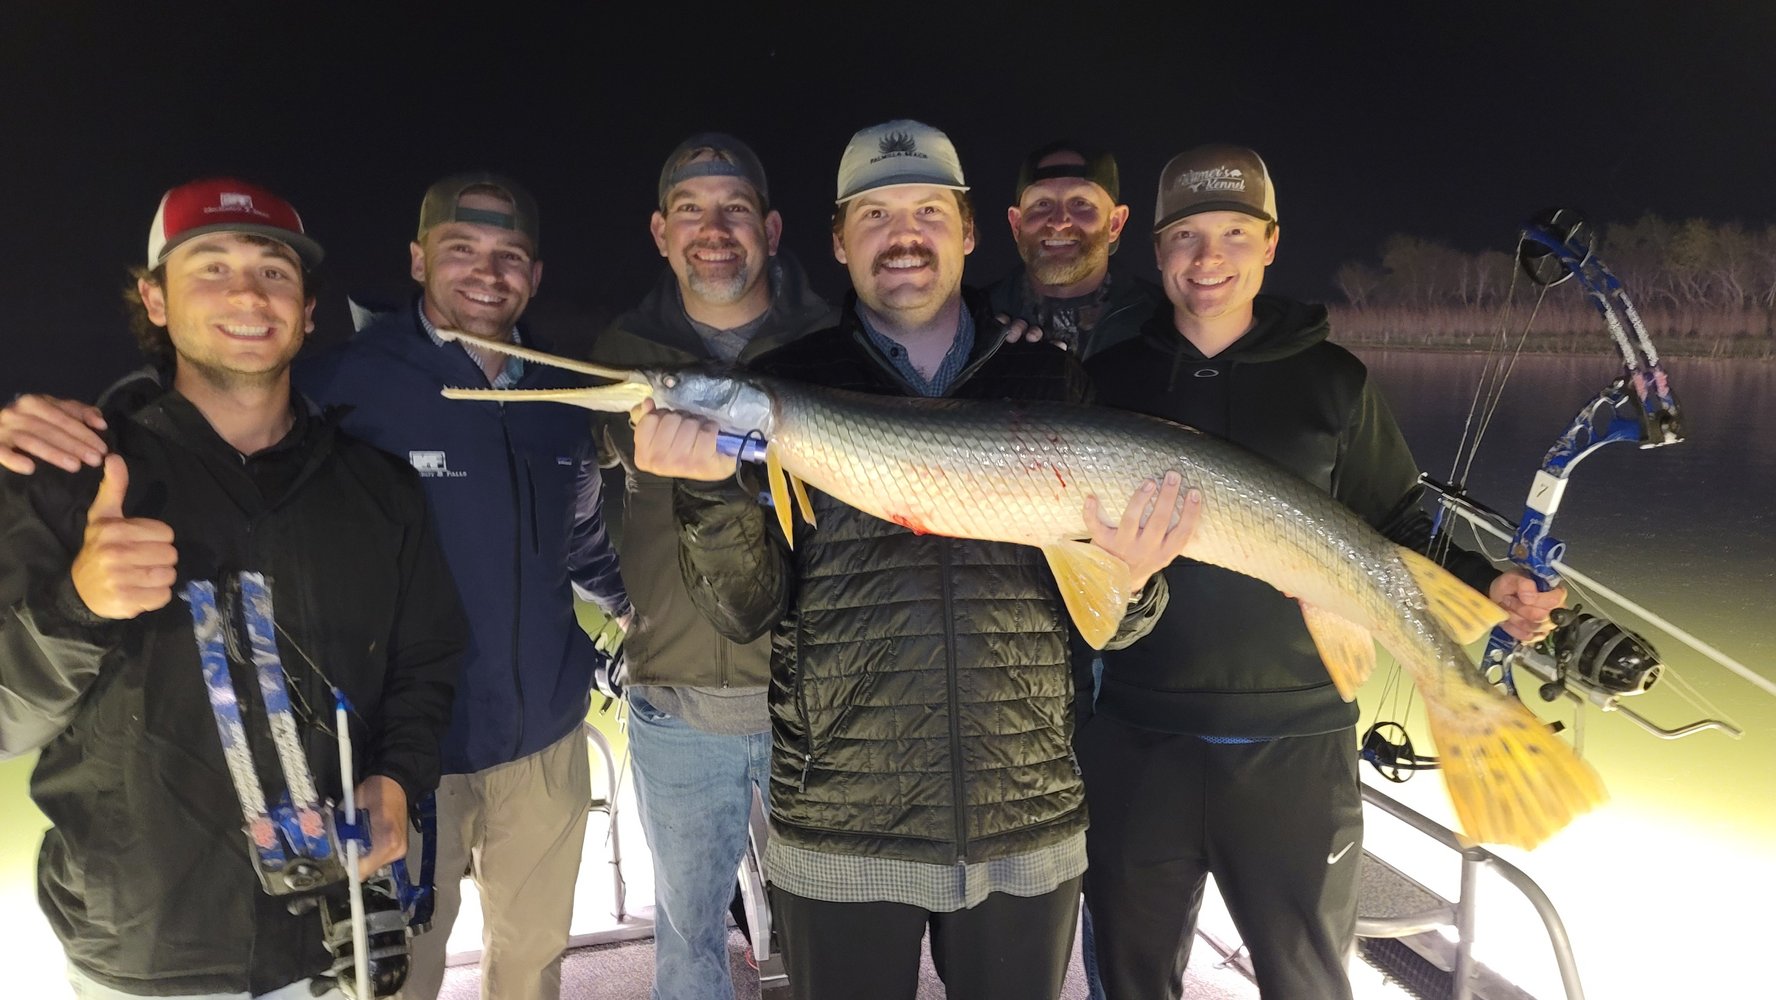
(721, 291)
(1092, 253)
(225, 379)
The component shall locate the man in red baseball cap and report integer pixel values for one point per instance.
(167, 726)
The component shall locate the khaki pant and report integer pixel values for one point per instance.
(518, 830)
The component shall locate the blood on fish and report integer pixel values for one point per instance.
(906, 521)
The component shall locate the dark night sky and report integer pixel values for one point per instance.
(1451, 121)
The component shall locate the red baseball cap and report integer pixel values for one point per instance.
(226, 205)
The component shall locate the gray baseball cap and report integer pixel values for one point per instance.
(730, 158)
(1214, 178)
(899, 152)
(443, 204)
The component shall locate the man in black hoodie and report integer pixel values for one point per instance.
(1218, 743)
(136, 599)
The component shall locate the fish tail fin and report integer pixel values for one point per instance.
(1510, 778)
(1346, 648)
(1093, 586)
(1464, 611)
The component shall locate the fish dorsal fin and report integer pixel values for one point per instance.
(778, 480)
(1345, 647)
(1464, 611)
(1092, 583)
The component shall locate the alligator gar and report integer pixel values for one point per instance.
(1020, 472)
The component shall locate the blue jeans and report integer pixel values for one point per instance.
(694, 790)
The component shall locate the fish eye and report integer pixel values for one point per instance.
(670, 381)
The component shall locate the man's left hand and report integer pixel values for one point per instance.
(385, 802)
(1017, 329)
(1528, 606)
(1153, 530)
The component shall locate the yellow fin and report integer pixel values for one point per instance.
(801, 495)
(1345, 647)
(1464, 611)
(780, 501)
(1092, 583)
(1511, 780)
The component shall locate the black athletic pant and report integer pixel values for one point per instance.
(1279, 824)
(1007, 948)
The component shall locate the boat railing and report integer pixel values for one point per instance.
(1459, 915)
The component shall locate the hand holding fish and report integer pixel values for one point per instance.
(1141, 538)
(1527, 604)
(677, 445)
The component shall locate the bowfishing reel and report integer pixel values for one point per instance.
(1601, 655)
(387, 932)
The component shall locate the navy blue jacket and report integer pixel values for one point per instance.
(501, 482)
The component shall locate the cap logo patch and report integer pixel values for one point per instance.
(230, 201)
(1213, 179)
(898, 144)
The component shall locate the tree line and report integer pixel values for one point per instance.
(1703, 288)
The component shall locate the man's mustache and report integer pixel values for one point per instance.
(925, 255)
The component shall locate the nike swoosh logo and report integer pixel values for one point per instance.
(1332, 859)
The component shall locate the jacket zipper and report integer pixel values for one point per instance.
(958, 781)
(536, 534)
(517, 574)
(801, 702)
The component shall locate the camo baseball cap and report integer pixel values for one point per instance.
(728, 157)
(226, 205)
(443, 203)
(1214, 178)
(899, 152)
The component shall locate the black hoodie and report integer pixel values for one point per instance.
(1231, 657)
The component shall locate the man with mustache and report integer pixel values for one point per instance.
(519, 525)
(1067, 223)
(699, 725)
(921, 709)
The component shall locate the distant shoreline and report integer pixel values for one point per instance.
(1542, 349)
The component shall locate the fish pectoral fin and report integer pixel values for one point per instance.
(1464, 611)
(780, 501)
(1093, 585)
(1345, 647)
(801, 494)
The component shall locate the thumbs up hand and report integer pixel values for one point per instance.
(126, 564)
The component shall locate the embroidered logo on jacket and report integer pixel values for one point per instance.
(432, 465)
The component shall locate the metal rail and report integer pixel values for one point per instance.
(1460, 914)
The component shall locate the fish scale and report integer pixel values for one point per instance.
(1021, 473)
